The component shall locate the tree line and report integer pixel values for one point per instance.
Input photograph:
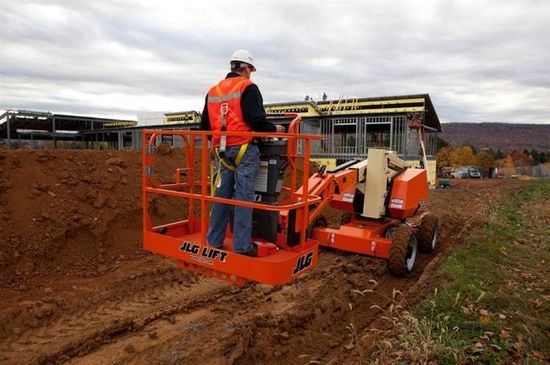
(456, 156)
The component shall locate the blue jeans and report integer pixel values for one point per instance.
(238, 184)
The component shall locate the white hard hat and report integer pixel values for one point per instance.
(242, 55)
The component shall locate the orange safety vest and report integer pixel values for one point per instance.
(224, 103)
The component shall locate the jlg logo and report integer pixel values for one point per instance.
(206, 255)
(303, 263)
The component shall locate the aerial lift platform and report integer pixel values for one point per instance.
(279, 260)
(379, 194)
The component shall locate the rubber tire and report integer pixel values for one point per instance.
(397, 262)
(428, 228)
(320, 221)
(345, 218)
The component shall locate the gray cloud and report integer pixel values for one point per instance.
(479, 61)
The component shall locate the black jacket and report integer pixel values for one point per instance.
(252, 105)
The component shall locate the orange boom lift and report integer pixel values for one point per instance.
(379, 194)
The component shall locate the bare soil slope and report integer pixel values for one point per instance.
(77, 287)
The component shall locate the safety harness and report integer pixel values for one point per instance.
(216, 173)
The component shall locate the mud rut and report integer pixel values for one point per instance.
(149, 311)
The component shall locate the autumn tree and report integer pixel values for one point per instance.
(463, 156)
(506, 162)
(484, 159)
(444, 157)
(521, 158)
(456, 156)
(500, 154)
(537, 157)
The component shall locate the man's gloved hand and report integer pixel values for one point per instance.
(280, 128)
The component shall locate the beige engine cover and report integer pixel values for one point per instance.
(382, 166)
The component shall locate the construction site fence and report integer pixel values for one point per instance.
(538, 171)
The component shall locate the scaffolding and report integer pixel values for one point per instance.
(351, 137)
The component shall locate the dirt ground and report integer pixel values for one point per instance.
(77, 287)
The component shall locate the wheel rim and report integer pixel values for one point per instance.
(411, 253)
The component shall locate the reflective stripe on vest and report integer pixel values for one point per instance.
(219, 99)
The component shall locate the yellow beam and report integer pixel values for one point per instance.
(313, 113)
(119, 124)
(372, 102)
(183, 118)
(347, 107)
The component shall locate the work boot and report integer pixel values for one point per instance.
(252, 251)
(218, 247)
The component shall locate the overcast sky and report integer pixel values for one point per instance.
(479, 60)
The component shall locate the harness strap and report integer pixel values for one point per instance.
(238, 159)
(241, 153)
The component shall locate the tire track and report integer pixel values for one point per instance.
(82, 331)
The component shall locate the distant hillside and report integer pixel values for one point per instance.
(506, 136)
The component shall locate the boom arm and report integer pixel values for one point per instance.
(325, 185)
(369, 177)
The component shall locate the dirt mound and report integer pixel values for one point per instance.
(75, 212)
(78, 212)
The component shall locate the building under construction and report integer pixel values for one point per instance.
(349, 127)
(49, 130)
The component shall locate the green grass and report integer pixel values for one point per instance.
(494, 304)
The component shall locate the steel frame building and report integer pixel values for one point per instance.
(351, 137)
(350, 127)
(45, 129)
